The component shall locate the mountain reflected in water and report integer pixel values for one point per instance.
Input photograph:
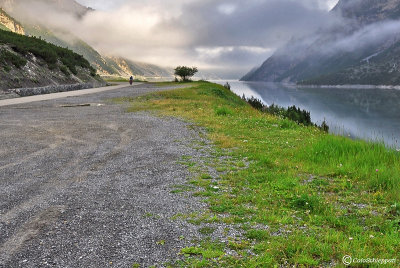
(370, 114)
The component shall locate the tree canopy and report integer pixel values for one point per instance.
(185, 72)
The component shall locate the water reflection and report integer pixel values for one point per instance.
(370, 114)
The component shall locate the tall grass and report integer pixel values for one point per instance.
(368, 162)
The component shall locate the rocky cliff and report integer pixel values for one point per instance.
(9, 23)
(364, 49)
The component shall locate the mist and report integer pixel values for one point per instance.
(232, 36)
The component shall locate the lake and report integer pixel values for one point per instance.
(363, 113)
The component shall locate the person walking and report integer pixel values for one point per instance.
(131, 80)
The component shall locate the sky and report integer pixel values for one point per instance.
(223, 37)
(226, 37)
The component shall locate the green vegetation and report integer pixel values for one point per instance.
(185, 73)
(7, 58)
(292, 113)
(301, 197)
(51, 54)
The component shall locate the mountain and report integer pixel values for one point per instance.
(106, 65)
(7, 23)
(368, 11)
(364, 49)
(32, 62)
(67, 6)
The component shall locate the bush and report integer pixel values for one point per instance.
(256, 103)
(300, 116)
(324, 126)
(7, 57)
(64, 70)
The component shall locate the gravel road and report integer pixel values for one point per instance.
(90, 186)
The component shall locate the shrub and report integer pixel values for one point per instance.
(256, 103)
(7, 57)
(64, 69)
(300, 116)
(324, 126)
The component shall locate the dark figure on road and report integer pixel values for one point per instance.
(131, 80)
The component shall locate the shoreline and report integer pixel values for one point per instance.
(345, 86)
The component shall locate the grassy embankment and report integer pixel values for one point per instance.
(301, 197)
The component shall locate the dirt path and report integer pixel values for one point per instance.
(90, 186)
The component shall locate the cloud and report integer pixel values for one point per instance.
(372, 35)
(220, 34)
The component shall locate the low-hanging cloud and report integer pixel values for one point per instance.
(212, 34)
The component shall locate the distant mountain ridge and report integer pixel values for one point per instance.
(364, 50)
(106, 65)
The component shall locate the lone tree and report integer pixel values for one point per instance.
(185, 72)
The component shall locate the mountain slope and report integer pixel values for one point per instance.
(32, 62)
(68, 6)
(364, 50)
(105, 65)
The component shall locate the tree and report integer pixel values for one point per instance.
(185, 72)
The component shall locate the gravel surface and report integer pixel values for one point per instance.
(85, 184)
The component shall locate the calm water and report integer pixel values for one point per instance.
(370, 114)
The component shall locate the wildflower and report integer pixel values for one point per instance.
(371, 236)
(351, 238)
(377, 170)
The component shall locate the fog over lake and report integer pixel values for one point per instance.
(365, 113)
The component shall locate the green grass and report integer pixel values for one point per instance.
(302, 197)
